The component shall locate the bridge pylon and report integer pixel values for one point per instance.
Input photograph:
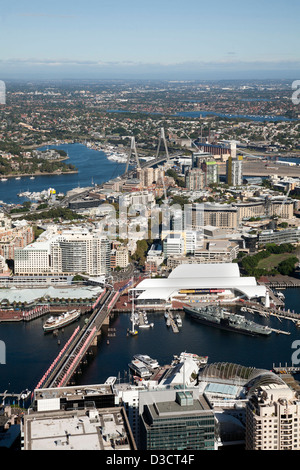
(162, 137)
(132, 150)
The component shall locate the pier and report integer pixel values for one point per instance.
(5, 395)
(282, 282)
(286, 369)
(280, 331)
(266, 312)
(173, 323)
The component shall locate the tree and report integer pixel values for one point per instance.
(287, 266)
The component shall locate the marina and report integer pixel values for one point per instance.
(159, 343)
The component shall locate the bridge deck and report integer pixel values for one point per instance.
(66, 363)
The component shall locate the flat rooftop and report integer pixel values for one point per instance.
(86, 429)
(165, 409)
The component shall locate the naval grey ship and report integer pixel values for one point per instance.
(221, 318)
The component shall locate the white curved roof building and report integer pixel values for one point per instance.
(224, 276)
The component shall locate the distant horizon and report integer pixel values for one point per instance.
(218, 76)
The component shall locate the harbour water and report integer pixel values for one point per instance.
(29, 351)
(93, 168)
(199, 114)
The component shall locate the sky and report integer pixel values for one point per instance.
(169, 39)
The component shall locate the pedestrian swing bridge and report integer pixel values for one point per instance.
(74, 351)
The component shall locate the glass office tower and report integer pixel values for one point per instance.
(183, 424)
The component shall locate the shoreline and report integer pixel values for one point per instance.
(26, 175)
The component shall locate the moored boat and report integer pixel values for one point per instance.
(140, 369)
(62, 320)
(147, 360)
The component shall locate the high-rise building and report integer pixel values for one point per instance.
(71, 252)
(194, 179)
(234, 171)
(272, 419)
(211, 174)
(150, 176)
(208, 165)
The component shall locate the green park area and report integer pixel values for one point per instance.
(271, 261)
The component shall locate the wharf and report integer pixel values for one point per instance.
(173, 323)
(280, 331)
(276, 312)
(38, 311)
(5, 395)
(280, 282)
(288, 378)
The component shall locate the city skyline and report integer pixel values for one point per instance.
(168, 40)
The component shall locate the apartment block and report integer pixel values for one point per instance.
(70, 252)
(220, 215)
(273, 419)
(234, 171)
(119, 257)
(265, 207)
(194, 179)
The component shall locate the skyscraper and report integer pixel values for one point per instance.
(234, 171)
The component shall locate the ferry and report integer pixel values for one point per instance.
(60, 321)
(140, 369)
(110, 381)
(147, 360)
